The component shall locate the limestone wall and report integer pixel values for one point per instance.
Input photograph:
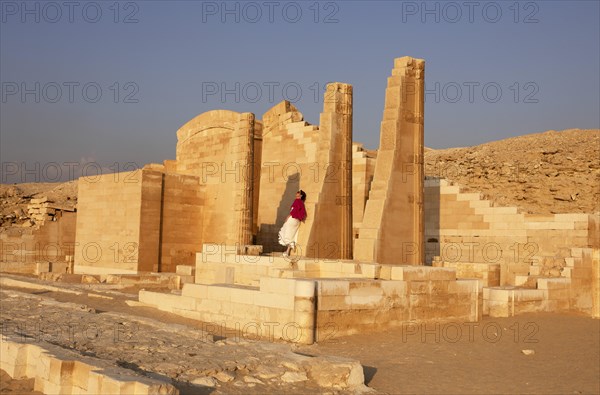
(576, 289)
(218, 147)
(289, 146)
(392, 228)
(301, 304)
(108, 224)
(463, 227)
(181, 226)
(347, 307)
(297, 155)
(363, 168)
(53, 241)
(283, 306)
(144, 220)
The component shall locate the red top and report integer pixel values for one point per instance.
(298, 210)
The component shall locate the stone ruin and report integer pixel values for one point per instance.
(368, 255)
(383, 246)
(235, 177)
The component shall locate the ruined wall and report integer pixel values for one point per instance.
(108, 223)
(288, 146)
(52, 242)
(297, 155)
(363, 169)
(218, 147)
(144, 220)
(181, 227)
(463, 227)
(392, 227)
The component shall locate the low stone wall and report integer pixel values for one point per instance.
(247, 270)
(57, 371)
(576, 288)
(280, 309)
(289, 305)
(487, 273)
(51, 241)
(347, 307)
(465, 228)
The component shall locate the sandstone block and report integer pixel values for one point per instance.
(185, 270)
(333, 287)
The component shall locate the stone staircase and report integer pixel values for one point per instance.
(571, 290)
(548, 262)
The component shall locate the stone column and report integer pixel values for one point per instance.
(329, 235)
(245, 186)
(338, 101)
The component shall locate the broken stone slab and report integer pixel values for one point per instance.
(224, 376)
(250, 379)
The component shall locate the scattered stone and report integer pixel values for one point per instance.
(267, 374)
(291, 366)
(224, 376)
(204, 381)
(294, 377)
(250, 379)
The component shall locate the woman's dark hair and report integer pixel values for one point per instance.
(302, 195)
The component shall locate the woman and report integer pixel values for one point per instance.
(288, 235)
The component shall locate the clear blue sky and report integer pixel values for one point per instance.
(494, 69)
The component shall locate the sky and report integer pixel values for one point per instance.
(91, 87)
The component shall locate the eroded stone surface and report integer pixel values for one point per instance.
(186, 356)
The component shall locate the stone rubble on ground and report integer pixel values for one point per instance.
(187, 356)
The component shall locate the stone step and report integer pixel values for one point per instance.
(468, 196)
(449, 190)
(507, 301)
(496, 210)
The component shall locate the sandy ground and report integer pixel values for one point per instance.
(448, 358)
(488, 360)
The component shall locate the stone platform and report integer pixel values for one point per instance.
(307, 300)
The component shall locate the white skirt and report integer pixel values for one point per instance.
(289, 232)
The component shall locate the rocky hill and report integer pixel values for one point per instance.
(543, 173)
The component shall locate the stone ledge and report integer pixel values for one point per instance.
(56, 370)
